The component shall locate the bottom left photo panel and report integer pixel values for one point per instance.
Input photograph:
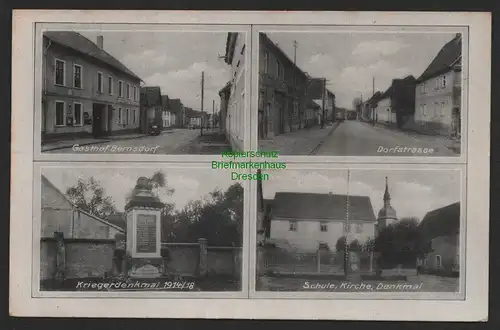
(107, 230)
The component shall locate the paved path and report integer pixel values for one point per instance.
(166, 143)
(302, 142)
(354, 138)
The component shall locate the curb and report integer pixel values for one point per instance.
(313, 151)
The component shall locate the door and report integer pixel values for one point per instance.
(97, 119)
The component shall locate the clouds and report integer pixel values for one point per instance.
(173, 60)
(378, 47)
(185, 83)
(413, 193)
(350, 61)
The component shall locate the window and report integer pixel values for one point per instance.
(438, 261)
(60, 72)
(359, 228)
(443, 82)
(126, 117)
(78, 114)
(100, 82)
(425, 87)
(120, 88)
(278, 69)
(292, 226)
(134, 92)
(424, 110)
(437, 81)
(266, 62)
(119, 116)
(135, 113)
(60, 113)
(128, 91)
(110, 85)
(323, 226)
(77, 76)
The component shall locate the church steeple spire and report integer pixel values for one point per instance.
(387, 196)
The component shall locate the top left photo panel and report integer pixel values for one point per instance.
(104, 91)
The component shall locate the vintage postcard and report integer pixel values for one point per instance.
(160, 91)
(342, 92)
(363, 231)
(125, 229)
(255, 165)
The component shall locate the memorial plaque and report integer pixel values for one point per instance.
(146, 233)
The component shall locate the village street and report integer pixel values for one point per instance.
(355, 138)
(166, 143)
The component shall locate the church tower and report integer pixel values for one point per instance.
(386, 215)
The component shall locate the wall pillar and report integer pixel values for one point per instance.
(60, 272)
(203, 261)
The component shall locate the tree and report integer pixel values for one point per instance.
(218, 217)
(355, 246)
(89, 196)
(340, 245)
(400, 243)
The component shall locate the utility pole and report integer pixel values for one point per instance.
(295, 44)
(346, 230)
(323, 103)
(213, 112)
(202, 96)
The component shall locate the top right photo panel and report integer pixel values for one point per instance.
(389, 93)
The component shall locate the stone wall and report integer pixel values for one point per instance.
(95, 258)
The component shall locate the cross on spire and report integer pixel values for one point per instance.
(387, 196)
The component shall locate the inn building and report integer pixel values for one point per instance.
(86, 91)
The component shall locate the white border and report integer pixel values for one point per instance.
(116, 27)
(474, 308)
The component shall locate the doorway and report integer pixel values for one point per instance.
(98, 119)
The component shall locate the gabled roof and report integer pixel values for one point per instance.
(151, 96)
(50, 184)
(81, 44)
(165, 101)
(328, 207)
(279, 50)
(118, 219)
(444, 61)
(441, 222)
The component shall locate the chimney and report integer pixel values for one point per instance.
(100, 42)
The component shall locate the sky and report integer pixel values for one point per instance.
(174, 61)
(189, 184)
(413, 192)
(349, 61)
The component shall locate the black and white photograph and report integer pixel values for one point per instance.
(118, 229)
(361, 94)
(359, 230)
(146, 92)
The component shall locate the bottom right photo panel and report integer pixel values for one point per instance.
(367, 230)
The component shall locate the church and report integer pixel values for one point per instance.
(387, 215)
(309, 221)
